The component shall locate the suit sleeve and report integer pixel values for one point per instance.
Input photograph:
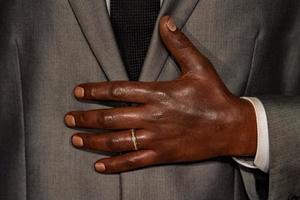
(12, 139)
(283, 115)
(283, 180)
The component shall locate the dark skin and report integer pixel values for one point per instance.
(192, 118)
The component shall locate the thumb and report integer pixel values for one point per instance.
(183, 51)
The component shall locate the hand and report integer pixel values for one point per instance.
(192, 118)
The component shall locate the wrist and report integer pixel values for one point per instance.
(245, 139)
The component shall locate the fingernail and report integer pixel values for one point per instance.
(100, 167)
(171, 25)
(77, 141)
(79, 92)
(70, 120)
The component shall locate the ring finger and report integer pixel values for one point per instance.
(120, 141)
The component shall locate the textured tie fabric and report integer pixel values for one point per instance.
(133, 23)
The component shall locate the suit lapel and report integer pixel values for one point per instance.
(157, 53)
(94, 21)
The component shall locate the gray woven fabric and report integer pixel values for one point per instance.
(47, 47)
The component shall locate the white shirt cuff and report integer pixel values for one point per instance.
(261, 160)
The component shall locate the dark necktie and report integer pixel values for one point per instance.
(133, 23)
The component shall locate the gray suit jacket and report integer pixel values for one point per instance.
(49, 46)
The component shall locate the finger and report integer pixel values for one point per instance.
(139, 92)
(126, 162)
(120, 141)
(114, 118)
(184, 52)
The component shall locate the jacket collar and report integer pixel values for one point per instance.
(93, 18)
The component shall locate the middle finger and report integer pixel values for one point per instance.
(114, 118)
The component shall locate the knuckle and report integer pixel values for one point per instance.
(92, 92)
(130, 163)
(100, 118)
(80, 118)
(117, 91)
(115, 166)
(110, 143)
(183, 42)
(105, 119)
(161, 96)
(158, 116)
(144, 135)
(108, 119)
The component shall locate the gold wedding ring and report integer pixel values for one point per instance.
(133, 139)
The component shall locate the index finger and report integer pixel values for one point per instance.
(138, 92)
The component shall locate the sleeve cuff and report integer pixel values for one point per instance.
(261, 160)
